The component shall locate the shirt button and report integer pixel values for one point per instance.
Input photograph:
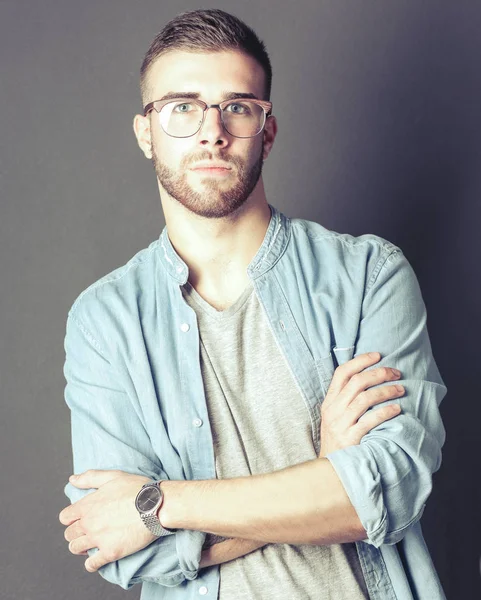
(203, 590)
(197, 423)
(185, 327)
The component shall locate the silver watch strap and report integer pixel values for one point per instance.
(153, 524)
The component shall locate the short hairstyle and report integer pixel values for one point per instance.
(206, 30)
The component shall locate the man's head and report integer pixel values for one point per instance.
(207, 55)
(206, 31)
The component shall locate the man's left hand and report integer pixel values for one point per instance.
(107, 518)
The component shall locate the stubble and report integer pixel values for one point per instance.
(214, 202)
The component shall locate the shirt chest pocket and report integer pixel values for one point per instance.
(328, 364)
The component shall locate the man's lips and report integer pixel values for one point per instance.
(210, 165)
(211, 169)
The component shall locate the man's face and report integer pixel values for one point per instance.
(208, 193)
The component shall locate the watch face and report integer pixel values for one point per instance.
(148, 498)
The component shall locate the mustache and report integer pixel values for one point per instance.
(204, 156)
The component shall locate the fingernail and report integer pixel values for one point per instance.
(73, 477)
(396, 372)
(374, 354)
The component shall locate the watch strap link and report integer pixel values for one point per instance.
(153, 524)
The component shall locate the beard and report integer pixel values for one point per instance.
(213, 202)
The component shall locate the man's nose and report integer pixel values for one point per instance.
(212, 130)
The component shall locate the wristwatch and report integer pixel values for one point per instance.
(148, 502)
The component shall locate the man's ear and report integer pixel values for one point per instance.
(270, 132)
(143, 134)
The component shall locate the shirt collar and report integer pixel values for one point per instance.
(271, 249)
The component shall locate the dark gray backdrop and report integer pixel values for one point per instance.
(379, 132)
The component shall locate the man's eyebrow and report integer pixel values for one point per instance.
(175, 95)
(233, 95)
(196, 95)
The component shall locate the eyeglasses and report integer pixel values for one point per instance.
(184, 117)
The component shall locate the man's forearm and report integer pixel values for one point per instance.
(302, 504)
(228, 550)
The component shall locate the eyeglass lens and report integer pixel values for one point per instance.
(184, 118)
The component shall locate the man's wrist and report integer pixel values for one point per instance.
(171, 499)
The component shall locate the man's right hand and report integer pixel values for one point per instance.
(344, 420)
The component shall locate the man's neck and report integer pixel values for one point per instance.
(218, 251)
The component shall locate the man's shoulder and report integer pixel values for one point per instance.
(117, 286)
(326, 244)
(324, 237)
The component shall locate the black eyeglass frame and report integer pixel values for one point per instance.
(157, 105)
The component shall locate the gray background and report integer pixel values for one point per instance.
(379, 132)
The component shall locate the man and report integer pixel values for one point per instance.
(207, 362)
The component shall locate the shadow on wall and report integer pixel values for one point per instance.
(413, 177)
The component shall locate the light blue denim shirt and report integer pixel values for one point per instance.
(135, 390)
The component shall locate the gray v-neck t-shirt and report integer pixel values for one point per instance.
(260, 424)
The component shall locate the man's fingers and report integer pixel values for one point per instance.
(93, 478)
(361, 381)
(343, 373)
(373, 418)
(69, 515)
(80, 545)
(355, 388)
(74, 531)
(96, 561)
(364, 401)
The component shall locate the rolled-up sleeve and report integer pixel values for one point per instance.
(388, 476)
(107, 433)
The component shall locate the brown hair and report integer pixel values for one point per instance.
(210, 30)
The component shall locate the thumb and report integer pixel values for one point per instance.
(93, 478)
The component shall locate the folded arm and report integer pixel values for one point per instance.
(302, 504)
(107, 433)
(388, 476)
(316, 511)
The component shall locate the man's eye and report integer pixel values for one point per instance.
(238, 109)
(184, 107)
